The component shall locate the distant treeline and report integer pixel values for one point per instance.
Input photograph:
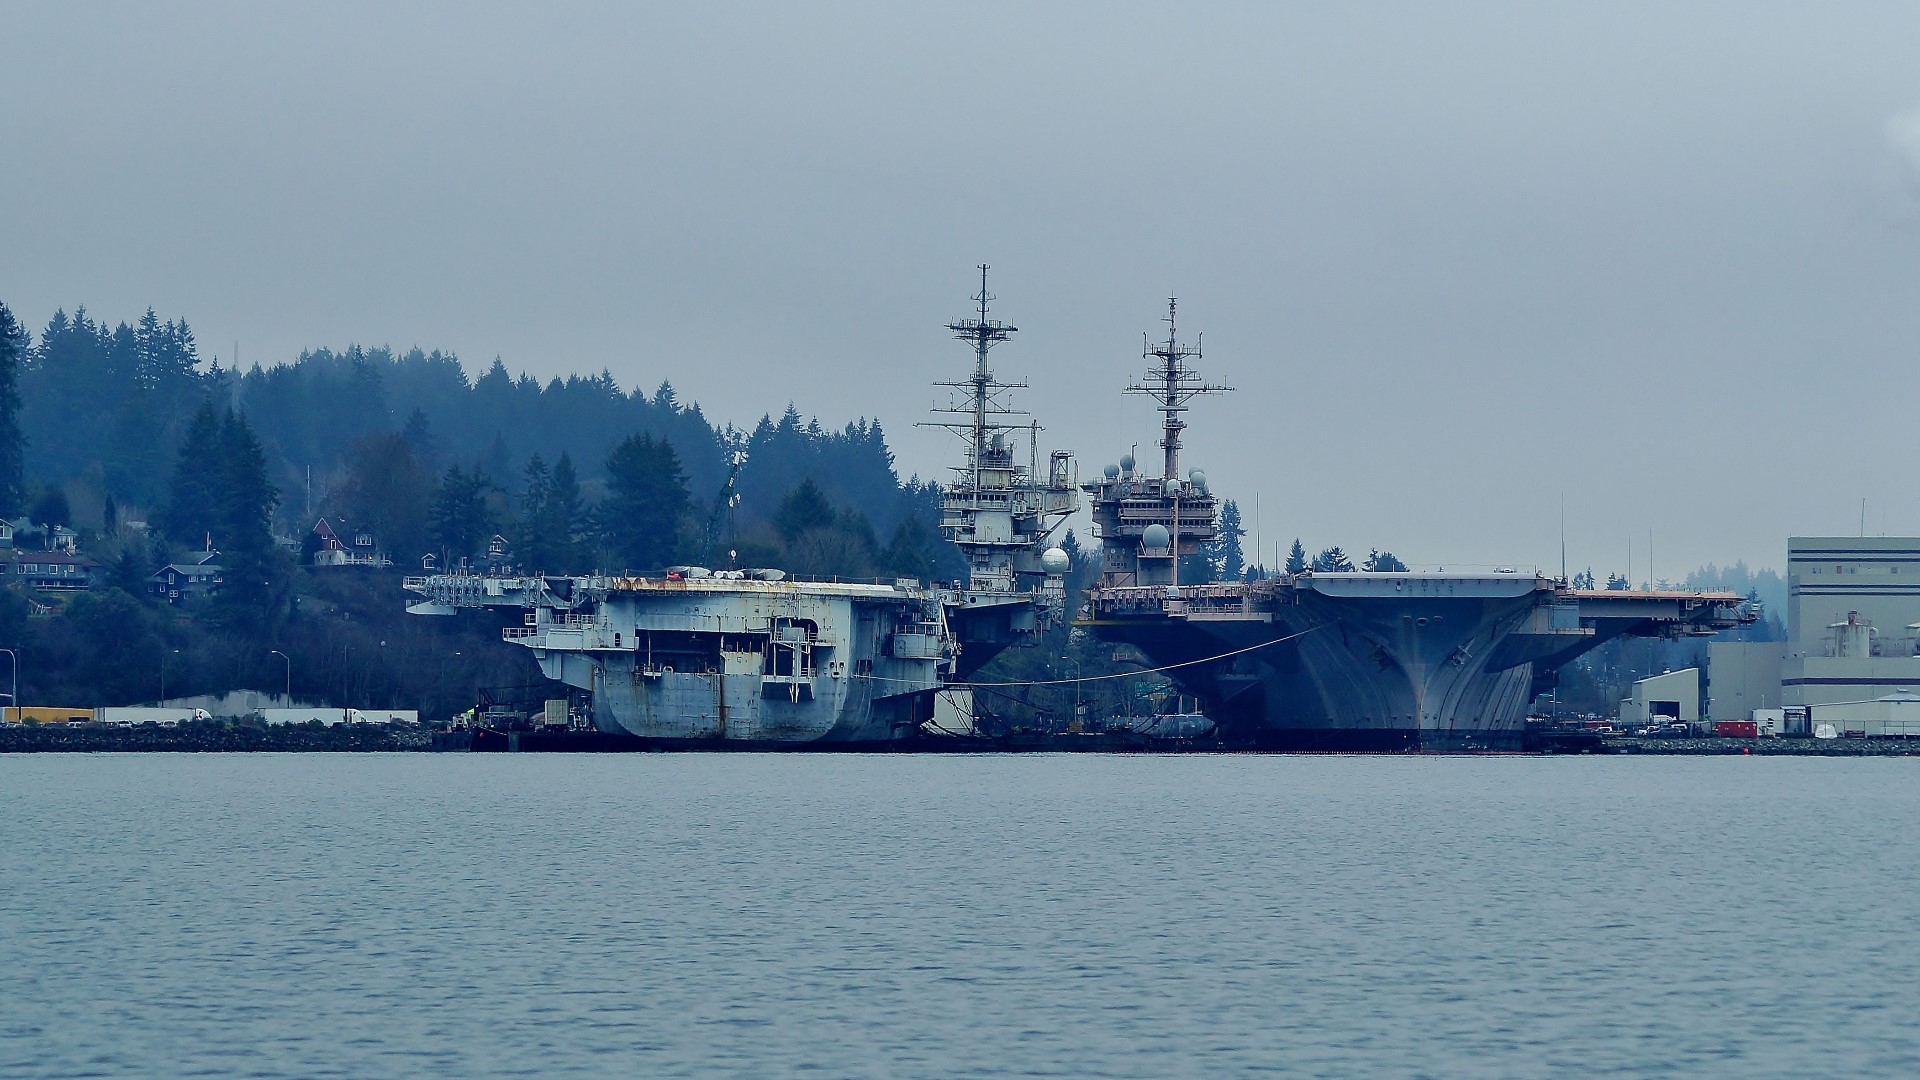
(103, 427)
(403, 441)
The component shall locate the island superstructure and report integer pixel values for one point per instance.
(1340, 661)
(754, 658)
(1002, 513)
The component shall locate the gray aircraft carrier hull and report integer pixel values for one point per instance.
(1379, 662)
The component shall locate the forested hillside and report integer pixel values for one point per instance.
(437, 461)
(153, 455)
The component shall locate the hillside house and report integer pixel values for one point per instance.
(184, 583)
(345, 545)
(50, 571)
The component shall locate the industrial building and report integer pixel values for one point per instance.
(1853, 613)
(1852, 655)
(1671, 698)
(1743, 677)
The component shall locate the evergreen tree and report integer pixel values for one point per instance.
(1383, 562)
(388, 492)
(51, 508)
(564, 515)
(131, 569)
(1229, 562)
(495, 465)
(193, 502)
(804, 509)
(646, 504)
(533, 538)
(459, 523)
(421, 439)
(909, 553)
(1332, 561)
(1296, 558)
(255, 571)
(13, 353)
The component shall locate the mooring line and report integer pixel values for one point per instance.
(1100, 678)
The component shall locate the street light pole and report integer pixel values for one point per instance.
(440, 690)
(13, 699)
(163, 673)
(289, 660)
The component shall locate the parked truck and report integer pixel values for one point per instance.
(127, 716)
(331, 717)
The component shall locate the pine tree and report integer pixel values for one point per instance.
(458, 520)
(804, 509)
(1230, 562)
(533, 541)
(1332, 561)
(421, 439)
(13, 353)
(1296, 558)
(564, 513)
(646, 504)
(388, 492)
(255, 571)
(1382, 562)
(908, 553)
(192, 509)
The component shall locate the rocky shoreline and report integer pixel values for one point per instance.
(208, 739)
(1767, 747)
(216, 739)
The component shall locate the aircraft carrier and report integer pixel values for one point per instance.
(1339, 661)
(751, 658)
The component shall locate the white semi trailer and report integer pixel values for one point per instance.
(146, 716)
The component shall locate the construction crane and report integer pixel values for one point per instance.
(723, 503)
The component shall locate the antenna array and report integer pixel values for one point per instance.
(1172, 383)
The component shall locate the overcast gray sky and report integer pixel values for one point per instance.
(1456, 259)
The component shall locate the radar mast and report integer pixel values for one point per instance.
(999, 511)
(1172, 383)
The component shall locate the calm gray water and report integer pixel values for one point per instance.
(468, 916)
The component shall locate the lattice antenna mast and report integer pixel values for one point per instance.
(1171, 383)
(983, 390)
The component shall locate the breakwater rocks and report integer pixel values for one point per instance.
(1767, 747)
(210, 739)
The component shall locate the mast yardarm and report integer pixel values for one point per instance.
(1172, 383)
